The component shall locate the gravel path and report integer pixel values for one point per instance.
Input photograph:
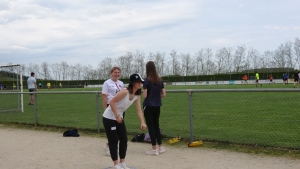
(30, 149)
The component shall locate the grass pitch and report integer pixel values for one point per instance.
(250, 118)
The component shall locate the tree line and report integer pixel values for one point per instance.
(203, 62)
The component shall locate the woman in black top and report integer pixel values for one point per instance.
(153, 92)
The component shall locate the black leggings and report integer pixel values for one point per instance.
(116, 132)
(152, 120)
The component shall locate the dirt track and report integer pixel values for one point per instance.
(29, 149)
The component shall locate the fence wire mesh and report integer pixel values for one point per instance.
(253, 117)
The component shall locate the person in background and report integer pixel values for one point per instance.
(285, 78)
(49, 86)
(0, 86)
(32, 87)
(40, 86)
(257, 79)
(114, 124)
(109, 89)
(245, 77)
(153, 92)
(270, 79)
(296, 78)
(60, 85)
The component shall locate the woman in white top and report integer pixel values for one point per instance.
(110, 88)
(113, 122)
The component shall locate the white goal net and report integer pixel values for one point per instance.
(11, 83)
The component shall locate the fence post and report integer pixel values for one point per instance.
(35, 113)
(98, 112)
(191, 117)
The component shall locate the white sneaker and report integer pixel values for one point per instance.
(161, 149)
(152, 152)
(106, 150)
(118, 166)
(123, 165)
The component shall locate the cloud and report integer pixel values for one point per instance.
(86, 32)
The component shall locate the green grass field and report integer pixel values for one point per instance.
(252, 118)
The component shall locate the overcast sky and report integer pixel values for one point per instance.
(87, 31)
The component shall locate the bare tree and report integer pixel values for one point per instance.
(104, 67)
(221, 58)
(72, 72)
(297, 49)
(89, 73)
(78, 71)
(268, 55)
(208, 55)
(239, 57)
(125, 63)
(253, 54)
(175, 63)
(56, 70)
(64, 67)
(279, 57)
(150, 57)
(93, 73)
(290, 60)
(159, 60)
(139, 63)
(168, 68)
(199, 64)
(187, 67)
(45, 70)
(34, 68)
(228, 59)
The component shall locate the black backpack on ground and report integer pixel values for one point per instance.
(71, 133)
(138, 138)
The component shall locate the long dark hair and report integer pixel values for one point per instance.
(152, 73)
(130, 89)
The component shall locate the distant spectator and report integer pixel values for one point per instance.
(285, 78)
(32, 87)
(4, 86)
(296, 78)
(257, 79)
(49, 86)
(14, 86)
(40, 85)
(245, 77)
(0, 86)
(271, 79)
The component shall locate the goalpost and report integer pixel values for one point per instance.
(11, 77)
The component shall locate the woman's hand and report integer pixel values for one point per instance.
(143, 126)
(119, 119)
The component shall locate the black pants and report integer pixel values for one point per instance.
(152, 120)
(116, 132)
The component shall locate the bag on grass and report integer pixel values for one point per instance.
(71, 133)
(147, 137)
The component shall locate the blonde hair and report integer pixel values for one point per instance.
(114, 68)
